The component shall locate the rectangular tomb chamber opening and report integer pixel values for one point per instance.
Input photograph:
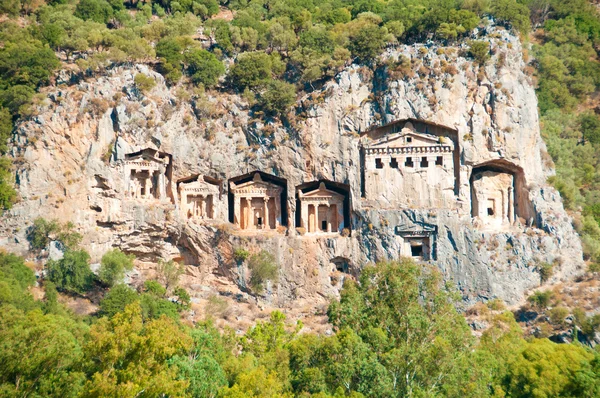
(322, 207)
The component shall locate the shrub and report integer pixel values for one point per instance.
(144, 83)
(588, 325)
(263, 268)
(96, 10)
(254, 70)
(43, 231)
(154, 307)
(480, 51)
(368, 43)
(155, 289)
(203, 67)
(546, 271)
(13, 267)
(512, 12)
(71, 273)
(8, 195)
(183, 298)
(278, 97)
(115, 301)
(240, 255)
(169, 272)
(113, 266)
(541, 299)
(558, 315)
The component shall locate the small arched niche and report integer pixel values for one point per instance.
(499, 194)
(258, 201)
(323, 207)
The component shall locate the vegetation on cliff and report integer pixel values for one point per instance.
(396, 333)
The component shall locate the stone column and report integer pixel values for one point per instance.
(249, 213)
(329, 217)
(147, 185)
(511, 206)
(266, 224)
(183, 203)
(304, 214)
(203, 204)
(278, 214)
(161, 183)
(237, 210)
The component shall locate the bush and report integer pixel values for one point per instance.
(512, 12)
(480, 51)
(144, 83)
(183, 298)
(13, 267)
(169, 273)
(541, 300)
(278, 97)
(368, 43)
(8, 195)
(154, 307)
(113, 266)
(43, 231)
(203, 67)
(115, 301)
(155, 289)
(558, 315)
(71, 273)
(263, 268)
(240, 255)
(96, 10)
(546, 271)
(254, 70)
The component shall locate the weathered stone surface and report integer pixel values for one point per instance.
(63, 172)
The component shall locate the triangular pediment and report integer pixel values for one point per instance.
(256, 185)
(322, 192)
(405, 138)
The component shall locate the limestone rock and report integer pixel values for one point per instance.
(71, 167)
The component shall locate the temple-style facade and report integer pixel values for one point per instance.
(200, 198)
(257, 203)
(322, 209)
(406, 166)
(148, 175)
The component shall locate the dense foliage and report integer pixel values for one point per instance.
(396, 333)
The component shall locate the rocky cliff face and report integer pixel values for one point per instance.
(68, 167)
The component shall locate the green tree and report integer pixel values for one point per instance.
(277, 97)
(117, 298)
(512, 12)
(253, 70)
(8, 195)
(71, 273)
(203, 67)
(113, 265)
(590, 127)
(368, 43)
(127, 357)
(144, 82)
(168, 273)
(480, 51)
(95, 10)
(406, 314)
(263, 267)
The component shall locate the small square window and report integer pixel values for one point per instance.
(394, 163)
(378, 164)
(424, 162)
(409, 162)
(439, 161)
(409, 139)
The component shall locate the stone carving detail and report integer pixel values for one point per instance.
(148, 175)
(257, 204)
(417, 241)
(200, 198)
(409, 168)
(321, 210)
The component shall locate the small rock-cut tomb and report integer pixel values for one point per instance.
(257, 201)
(410, 163)
(200, 197)
(148, 174)
(417, 241)
(499, 194)
(493, 198)
(322, 209)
